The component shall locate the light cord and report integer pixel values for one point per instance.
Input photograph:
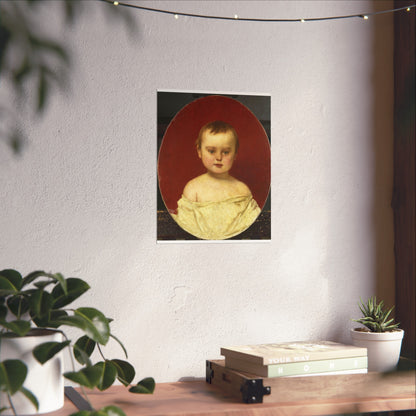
(364, 16)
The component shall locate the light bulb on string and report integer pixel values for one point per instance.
(248, 19)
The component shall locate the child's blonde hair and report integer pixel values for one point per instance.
(215, 127)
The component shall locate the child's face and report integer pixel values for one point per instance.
(217, 152)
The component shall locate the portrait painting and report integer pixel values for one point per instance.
(213, 167)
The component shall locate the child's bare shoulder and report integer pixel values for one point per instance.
(192, 187)
(242, 188)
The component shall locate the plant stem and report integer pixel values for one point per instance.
(101, 353)
(19, 310)
(73, 369)
(9, 398)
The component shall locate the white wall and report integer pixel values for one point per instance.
(82, 197)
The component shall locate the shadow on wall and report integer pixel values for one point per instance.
(403, 201)
(382, 142)
(360, 230)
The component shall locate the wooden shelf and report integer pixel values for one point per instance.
(293, 396)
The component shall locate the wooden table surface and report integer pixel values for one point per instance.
(198, 398)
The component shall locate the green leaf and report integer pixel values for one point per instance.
(13, 276)
(12, 375)
(55, 316)
(18, 305)
(83, 349)
(110, 411)
(30, 396)
(3, 312)
(145, 386)
(374, 317)
(40, 304)
(92, 322)
(119, 342)
(83, 413)
(388, 313)
(82, 357)
(45, 351)
(108, 374)
(75, 288)
(62, 281)
(105, 411)
(43, 284)
(53, 278)
(125, 371)
(18, 327)
(98, 328)
(75, 321)
(88, 376)
(7, 287)
(31, 277)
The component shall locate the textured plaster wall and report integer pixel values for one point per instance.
(82, 197)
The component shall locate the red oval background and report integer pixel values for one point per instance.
(178, 160)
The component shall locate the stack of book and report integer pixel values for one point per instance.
(296, 359)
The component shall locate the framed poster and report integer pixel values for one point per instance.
(214, 166)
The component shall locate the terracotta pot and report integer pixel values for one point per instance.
(383, 348)
(44, 381)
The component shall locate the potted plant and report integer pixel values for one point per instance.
(380, 335)
(34, 310)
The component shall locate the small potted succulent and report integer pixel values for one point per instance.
(380, 335)
(34, 310)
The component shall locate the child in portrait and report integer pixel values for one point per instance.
(216, 205)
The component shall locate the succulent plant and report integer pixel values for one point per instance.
(375, 317)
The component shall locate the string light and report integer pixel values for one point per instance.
(248, 19)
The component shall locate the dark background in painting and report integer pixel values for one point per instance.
(180, 117)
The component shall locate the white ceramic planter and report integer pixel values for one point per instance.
(383, 348)
(44, 381)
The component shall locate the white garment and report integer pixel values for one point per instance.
(217, 220)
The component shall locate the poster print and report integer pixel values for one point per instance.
(213, 167)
